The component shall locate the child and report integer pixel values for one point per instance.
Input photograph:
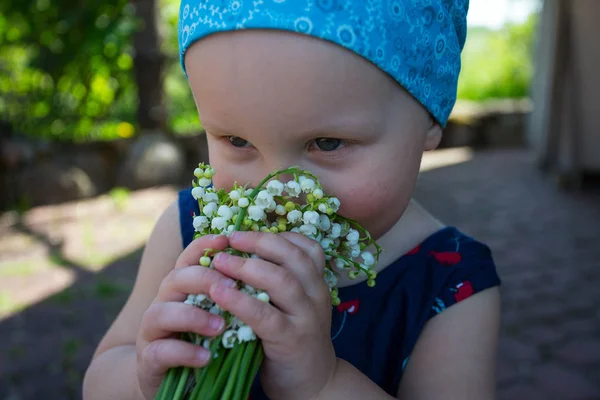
(355, 91)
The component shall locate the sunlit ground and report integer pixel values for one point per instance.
(42, 250)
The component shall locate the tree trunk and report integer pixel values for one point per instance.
(148, 67)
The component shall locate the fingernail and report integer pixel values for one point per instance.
(216, 323)
(203, 355)
(230, 283)
(222, 256)
(235, 235)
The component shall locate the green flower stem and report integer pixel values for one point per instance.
(171, 376)
(219, 384)
(182, 383)
(257, 359)
(234, 372)
(244, 371)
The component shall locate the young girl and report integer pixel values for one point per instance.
(355, 91)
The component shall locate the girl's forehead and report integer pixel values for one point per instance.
(287, 69)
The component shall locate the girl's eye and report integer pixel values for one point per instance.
(329, 144)
(238, 142)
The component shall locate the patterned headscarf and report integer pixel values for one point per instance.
(417, 42)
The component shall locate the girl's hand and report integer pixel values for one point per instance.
(158, 348)
(295, 328)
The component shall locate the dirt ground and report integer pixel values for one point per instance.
(66, 270)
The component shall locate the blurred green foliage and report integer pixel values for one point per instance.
(498, 64)
(66, 72)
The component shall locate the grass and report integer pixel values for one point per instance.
(105, 289)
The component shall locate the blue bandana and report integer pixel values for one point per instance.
(417, 42)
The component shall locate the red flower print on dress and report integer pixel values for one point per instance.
(350, 306)
(463, 291)
(414, 251)
(447, 257)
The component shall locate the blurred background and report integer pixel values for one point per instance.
(98, 131)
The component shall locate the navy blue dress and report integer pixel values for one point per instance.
(375, 329)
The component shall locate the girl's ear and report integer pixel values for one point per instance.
(434, 136)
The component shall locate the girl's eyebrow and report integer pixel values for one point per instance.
(348, 125)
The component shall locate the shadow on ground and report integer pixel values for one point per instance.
(545, 243)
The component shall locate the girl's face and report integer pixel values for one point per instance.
(269, 100)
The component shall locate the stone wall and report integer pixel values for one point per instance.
(36, 172)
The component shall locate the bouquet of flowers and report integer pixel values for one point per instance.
(273, 206)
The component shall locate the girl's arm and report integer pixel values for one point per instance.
(454, 358)
(112, 373)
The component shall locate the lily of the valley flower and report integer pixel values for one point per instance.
(275, 188)
(307, 185)
(200, 223)
(256, 213)
(293, 188)
(310, 218)
(243, 202)
(219, 223)
(294, 216)
(210, 209)
(198, 192)
(225, 212)
(263, 199)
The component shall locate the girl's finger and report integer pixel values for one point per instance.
(161, 320)
(185, 280)
(283, 252)
(155, 359)
(266, 321)
(311, 247)
(191, 254)
(285, 290)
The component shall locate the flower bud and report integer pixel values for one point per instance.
(204, 182)
(318, 194)
(280, 210)
(290, 206)
(243, 202)
(209, 173)
(205, 261)
(198, 172)
(264, 297)
(235, 195)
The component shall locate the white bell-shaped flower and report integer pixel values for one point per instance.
(256, 213)
(243, 202)
(230, 339)
(310, 218)
(280, 210)
(307, 185)
(334, 203)
(324, 222)
(200, 223)
(368, 258)
(225, 212)
(275, 188)
(294, 216)
(198, 192)
(293, 188)
(210, 197)
(210, 209)
(308, 230)
(245, 334)
(263, 199)
(219, 224)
